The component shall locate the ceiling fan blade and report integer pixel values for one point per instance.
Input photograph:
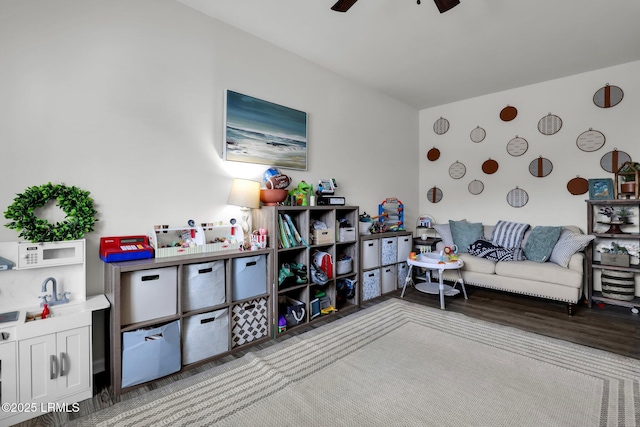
(343, 5)
(444, 5)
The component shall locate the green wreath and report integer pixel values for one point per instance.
(74, 202)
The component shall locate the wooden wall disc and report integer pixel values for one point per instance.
(577, 186)
(608, 96)
(434, 194)
(490, 166)
(590, 140)
(508, 113)
(441, 126)
(549, 124)
(433, 154)
(457, 170)
(540, 167)
(613, 160)
(517, 146)
(478, 134)
(476, 187)
(517, 197)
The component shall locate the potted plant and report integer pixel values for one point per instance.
(628, 174)
(625, 213)
(614, 255)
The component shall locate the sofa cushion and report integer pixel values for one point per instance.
(547, 272)
(540, 243)
(509, 234)
(477, 264)
(444, 232)
(568, 244)
(465, 233)
(485, 249)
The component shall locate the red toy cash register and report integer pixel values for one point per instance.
(125, 248)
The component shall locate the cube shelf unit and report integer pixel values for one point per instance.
(598, 226)
(384, 262)
(305, 293)
(175, 313)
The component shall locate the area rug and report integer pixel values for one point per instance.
(400, 364)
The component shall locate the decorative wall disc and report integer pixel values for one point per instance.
(508, 113)
(457, 170)
(434, 194)
(613, 160)
(540, 167)
(517, 197)
(478, 134)
(549, 124)
(517, 146)
(476, 187)
(608, 96)
(441, 126)
(590, 140)
(577, 186)
(490, 166)
(433, 154)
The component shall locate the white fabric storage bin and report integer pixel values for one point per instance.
(371, 253)
(389, 250)
(388, 278)
(370, 284)
(203, 285)
(149, 354)
(405, 245)
(205, 335)
(148, 294)
(249, 276)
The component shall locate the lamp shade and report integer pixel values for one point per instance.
(244, 193)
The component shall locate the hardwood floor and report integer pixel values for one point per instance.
(609, 328)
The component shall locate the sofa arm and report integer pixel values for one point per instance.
(577, 262)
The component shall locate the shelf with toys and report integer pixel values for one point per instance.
(316, 252)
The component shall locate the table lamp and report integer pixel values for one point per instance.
(246, 194)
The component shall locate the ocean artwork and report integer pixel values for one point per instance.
(265, 133)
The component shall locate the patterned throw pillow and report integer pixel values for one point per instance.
(509, 234)
(568, 244)
(486, 249)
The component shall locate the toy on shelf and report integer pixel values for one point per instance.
(299, 196)
(326, 193)
(391, 213)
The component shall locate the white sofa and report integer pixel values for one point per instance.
(539, 279)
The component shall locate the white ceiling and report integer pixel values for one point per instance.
(423, 58)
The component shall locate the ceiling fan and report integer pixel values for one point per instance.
(443, 5)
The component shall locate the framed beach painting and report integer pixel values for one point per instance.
(258, 131)
(601, 189)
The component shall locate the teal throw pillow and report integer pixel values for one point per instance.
(541, 242)
(465, 233)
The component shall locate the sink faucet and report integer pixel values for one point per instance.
(54, 296)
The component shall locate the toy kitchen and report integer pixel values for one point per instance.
(46, 319)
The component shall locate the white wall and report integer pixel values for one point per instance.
(550, 203)
(125, 99)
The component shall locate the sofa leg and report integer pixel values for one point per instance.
(571, 308)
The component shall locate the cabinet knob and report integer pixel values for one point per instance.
(4, 336)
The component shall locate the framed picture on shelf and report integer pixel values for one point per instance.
(257, 131)
(601, 189)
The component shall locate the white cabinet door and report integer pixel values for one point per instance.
(74, 359)
(54, 366)
(38, 369)
(8, 376)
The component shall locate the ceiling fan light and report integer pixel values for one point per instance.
(444, 5)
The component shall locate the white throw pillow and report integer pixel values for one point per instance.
(568, 244)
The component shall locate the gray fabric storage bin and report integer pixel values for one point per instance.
(203, 285)
(149, 354)
(148, 294)
(205, 335)
(389, 250)
(249, 276)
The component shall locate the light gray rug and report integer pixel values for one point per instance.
(400, 364)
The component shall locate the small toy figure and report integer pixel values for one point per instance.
(451, 252)
(301, 193)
